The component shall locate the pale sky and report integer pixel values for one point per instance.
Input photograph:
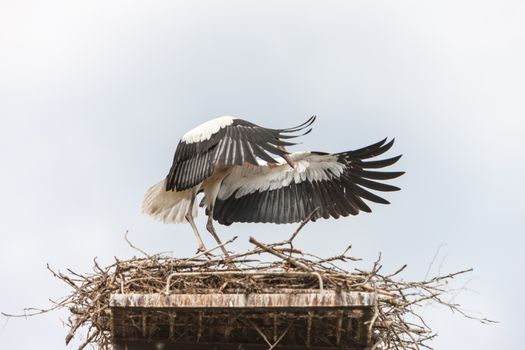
(94, 96)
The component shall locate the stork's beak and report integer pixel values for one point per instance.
(290, 162)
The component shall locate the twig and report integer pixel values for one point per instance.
(134, 247)
(254, 326)
(374, 317)
(280, 255)
(303, 224)
(88, 340)
(214, 248)
(441, 246)
(281, 337)
(297, 231)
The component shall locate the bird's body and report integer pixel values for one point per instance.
(232, 162)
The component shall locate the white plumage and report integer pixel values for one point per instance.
(244, 180)
(247, 175)
(170, 207)
(204, 131)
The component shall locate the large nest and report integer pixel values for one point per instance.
(394, 323)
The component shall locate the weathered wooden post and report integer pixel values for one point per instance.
(281, 318)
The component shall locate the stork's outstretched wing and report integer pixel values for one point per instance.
(226, 141)
(334, 183)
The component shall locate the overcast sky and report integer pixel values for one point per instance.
(94, 96)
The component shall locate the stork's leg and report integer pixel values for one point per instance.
(211, 229)
(189, 218)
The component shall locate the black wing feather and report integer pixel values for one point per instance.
(236, 144)
(340, 195)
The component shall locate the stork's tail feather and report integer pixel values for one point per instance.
(168, 206)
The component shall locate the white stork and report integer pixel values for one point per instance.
(231, 161)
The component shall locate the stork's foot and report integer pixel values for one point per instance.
(201, 248)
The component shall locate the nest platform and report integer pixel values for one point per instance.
(273, 296)
(263, 314)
